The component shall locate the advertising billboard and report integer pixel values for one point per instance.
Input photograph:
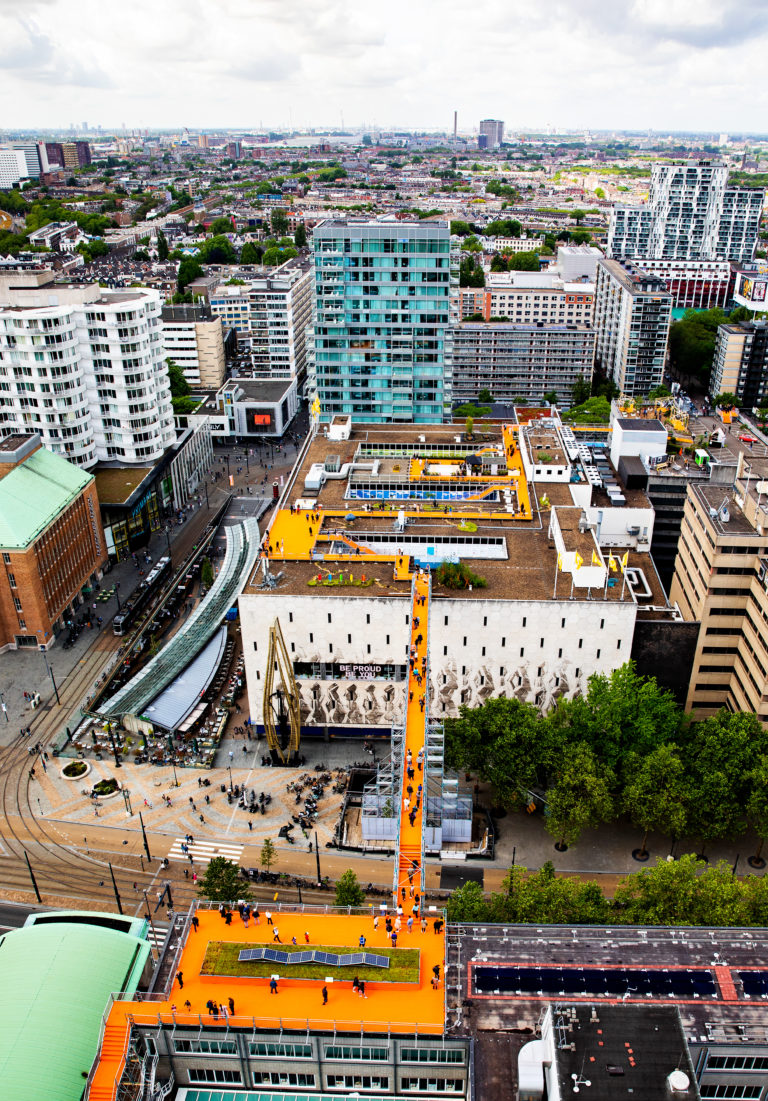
(259, 419)
(751, 291)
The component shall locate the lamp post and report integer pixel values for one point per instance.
(229, 768)
(168, 538)
(317, 860)
(172, 752)
(117, 594)
(50, 672)
(111, 737)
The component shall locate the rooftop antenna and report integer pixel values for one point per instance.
(579, 1080)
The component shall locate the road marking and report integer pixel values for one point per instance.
(204, 851)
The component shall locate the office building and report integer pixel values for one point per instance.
(68, 154)
(234, 150)
(85, 368)
(51, 540)
(530, 297)
(521, 363)
(631, 318)
(13, 167)
(193, 338)
(280, 310)
(386, 297)
(721, 583)
(694, 284)
(692, 214)
(740, 363)
(271, 315)
(493, 131)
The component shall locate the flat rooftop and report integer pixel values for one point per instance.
(407, 1008)
(484, 512)
(115, 485)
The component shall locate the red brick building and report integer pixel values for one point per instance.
(52, 543)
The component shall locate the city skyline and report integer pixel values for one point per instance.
(636, 64)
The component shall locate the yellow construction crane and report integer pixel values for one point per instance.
(282, 710)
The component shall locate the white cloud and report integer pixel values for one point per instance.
(663, 64)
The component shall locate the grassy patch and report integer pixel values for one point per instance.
(221, 959)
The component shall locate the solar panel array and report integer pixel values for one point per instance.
(596, 982)
(755, 983)
(314, 955)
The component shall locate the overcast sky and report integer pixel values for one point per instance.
(660, 64)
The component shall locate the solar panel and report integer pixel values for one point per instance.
(330, 959)
(683, 983)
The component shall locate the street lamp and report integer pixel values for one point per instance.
(172, 752)
(111, 737)
(229, 767)
(117, 594)
(168, 538)
(50, 673)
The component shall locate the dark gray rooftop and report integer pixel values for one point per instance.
(623, 1051)
(640, 424)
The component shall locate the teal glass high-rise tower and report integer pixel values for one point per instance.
(386, 297)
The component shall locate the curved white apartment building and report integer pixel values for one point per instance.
(84, 367)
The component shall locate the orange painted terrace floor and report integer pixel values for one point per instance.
(395, 1007)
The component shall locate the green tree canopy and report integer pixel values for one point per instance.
(300, 236)
(504, 227)
(220, 226)
(179, 385)
(471, 272)
(681, 892)
(348, 890)
(189, 270)
(656, 793)
(162, 246)
(251, 253)
(580, 390)
(720, 759)
(621, 713)
(505, 743)
(218, 250)
(221, 881)
(279, 222)
(580, 797)
(523, 261)
(268, 855)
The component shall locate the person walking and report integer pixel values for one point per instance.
(273, 985)
(361, 989)
(276, 935)
(195, 921)
(325, 995)
(232, 1006)
(268, 916)
(180, 979)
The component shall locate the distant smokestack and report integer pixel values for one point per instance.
(455, 123)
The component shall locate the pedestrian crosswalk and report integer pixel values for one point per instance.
(202, 852)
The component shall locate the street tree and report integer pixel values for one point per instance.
(580, 797)
(279, 222)
(221, 881)
(757, 803)
(162, 246)
(621, 713)
(578, 216)
(655, 796)
(680, 892)
(268, 854)
(251, 253)
(206, 573)
(468, 904)
(580, 391)
(348, 890)
(300, 236)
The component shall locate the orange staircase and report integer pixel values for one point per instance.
(111, 1057)
(409, 870)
